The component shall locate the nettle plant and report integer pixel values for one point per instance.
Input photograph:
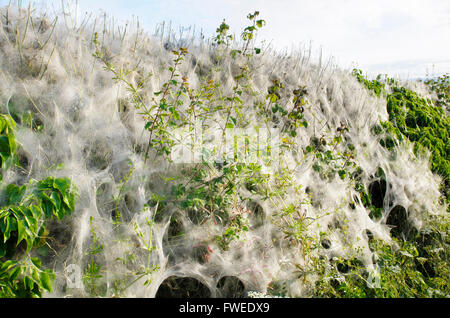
(25, 210)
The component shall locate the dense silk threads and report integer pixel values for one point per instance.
(215, 168)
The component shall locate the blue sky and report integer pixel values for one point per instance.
(408, 38)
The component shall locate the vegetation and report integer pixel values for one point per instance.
(24, 212)
(441, 86)
(415, 265)
(421, 121)
(224, 192)
(414, 268)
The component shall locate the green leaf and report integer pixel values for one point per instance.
(57, 202)
(21, 232)
(62, 184)
(70, 201)
(36, 212)
(148, 125)
(2, 249)
(46, 281)
(36, 261)
(163, 105)
(48, 208)
(29, 284)
(14, 273)
(5, 227)
(6, 266)
(15, 193)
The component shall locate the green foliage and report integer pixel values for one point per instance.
(24, 279)
(377, 85)
(147, 243)
(222, 36)
(441, 86)
(249, 32)
(8, 145)
(423, 123)
(177, 105)
(22, 224)
(214, 198)
(23, 216)
(329, 161)
(93, 271)
(215, 191)
(398, 274)
(292, 119)
(236, 226)
(117, 199)
(419, 120)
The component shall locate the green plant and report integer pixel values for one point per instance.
(8, 145)
(236, 226)
(377, 85)
(441, 86)
(249, 34)
(222, 36)
(23, 216)
(398, 276)
(163, 113)
(93, 271)
(24, 278)
(148, 246)
(417, 119)
(117, 216)
(22, 226)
